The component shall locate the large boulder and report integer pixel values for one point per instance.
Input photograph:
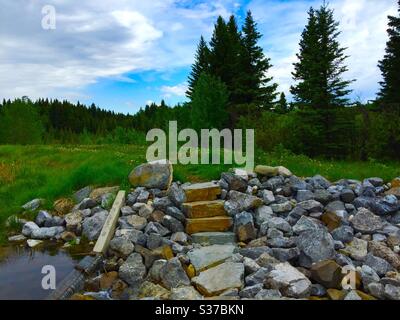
(47, 233)
(28, 228)
(214, 281)
(289, 281)
(155, 174)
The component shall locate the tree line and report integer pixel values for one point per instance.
(229, 86)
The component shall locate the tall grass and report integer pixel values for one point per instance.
(51, 172)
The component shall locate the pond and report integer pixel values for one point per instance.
(21, 268)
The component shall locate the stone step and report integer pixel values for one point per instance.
(204, 209)
(205, 191)
(210, 256)
(208, 224)
(214, 237)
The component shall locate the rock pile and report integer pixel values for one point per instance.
(262, 235)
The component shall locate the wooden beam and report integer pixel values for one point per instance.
(109, 226)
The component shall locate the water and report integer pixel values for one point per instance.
(21, 269)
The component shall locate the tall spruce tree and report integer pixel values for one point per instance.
(200, 65)
(257, 87)
(319, 71)
(320, 91)
(390, 65)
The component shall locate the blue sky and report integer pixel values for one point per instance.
(121, 54)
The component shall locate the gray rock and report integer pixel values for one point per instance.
(133, 271)
(272, 233)
(357, 249)
(289, 281)
(155, 227)
(377, 290)
(335, 206)
(323, 196)
(366, 222)
(262, 214)
(254, 252)
(154, 240)
(257, 277)
(234, 181)
(380, 207)
(319, 182)
(42, 217)
(282, 207)
(267, 196)
(368, 275)
(126, 211)
(176, 194)
(244, 226)
(304, 195)
(162, 203)
(145, 210)
(172, 224)
(284, 255)
(379, 265)
(344, 234)
(28, 228)
(311, 206)
(376, 182)
(73, 221)
(318, 290)
(295, 215)
(121, 246)
(133, 235)
(214, 237)
(176, 213)
(91, 227)
(185, 293)
(352, 295)
(281, 242)
(250, 292)
(143, 196)
(347, 196)
(268, 294)
(33, 204)
(155, 174)
(17, 238)
(280, 224)
(87, 203)
(107, 200)
(155, 270)
(54, 222)
(250, 266)
(239, 202)
(135, 221)
(82, 194)
(46, 233)
(315, 244)
(214, 281)
(172, 274)
(204, 257)
(392, 292)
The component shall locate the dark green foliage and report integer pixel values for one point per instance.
(210, 98)
(320, 92)
(20, 123)
(282, 105)
(390, 66)
(201, 64)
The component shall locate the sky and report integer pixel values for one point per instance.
(123, 54)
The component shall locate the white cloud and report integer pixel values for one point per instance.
(177, 90)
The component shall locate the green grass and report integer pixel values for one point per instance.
(50, 172)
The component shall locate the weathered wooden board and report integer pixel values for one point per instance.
(109, 226)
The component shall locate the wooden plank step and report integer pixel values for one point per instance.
(109, 226)
(208, 224)
(205, 191)
(204, 209)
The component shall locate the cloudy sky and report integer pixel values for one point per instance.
(121, 54)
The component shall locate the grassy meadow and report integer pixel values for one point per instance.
(52, 171)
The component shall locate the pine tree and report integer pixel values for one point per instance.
(320, 92)
(390, 65)
(282, 105)
(321, 63)
(200, 65)
(257, 89)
